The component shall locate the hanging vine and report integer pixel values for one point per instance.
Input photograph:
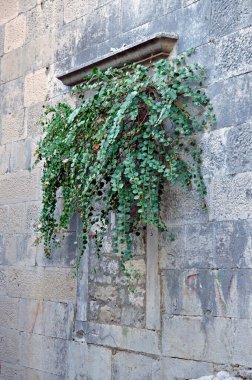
(130, 132)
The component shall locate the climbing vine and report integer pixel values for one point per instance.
(132, 130)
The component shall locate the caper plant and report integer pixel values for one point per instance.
(135, 130)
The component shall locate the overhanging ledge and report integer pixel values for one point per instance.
(145, 51)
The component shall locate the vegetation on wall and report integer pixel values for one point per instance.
(132, 129)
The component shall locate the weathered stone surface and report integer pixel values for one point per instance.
(229, 15)
(13, 127)
(9, 312)
(8, 10)
(12, 372)
(132, 366)
(36, 88)
(19, 187)
(198, 338)
(26, 5)
(12, 96)
(88, 362)
(231, 197)
(234, 54)
(32, 116)
(201, 292)
(43, 353)
(77, 8)
(1, 40)
(46, 318)
(54, 285)
(173, 369)
(11, 65)
(135, 13)
(15, 32)
(9, 345)
(127, 338)
(31, 374)
(237, 111)
(45, 16)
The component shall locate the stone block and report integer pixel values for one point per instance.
(63, 256)
(32, 117)
(229, 15)
(19, 187)
(179, 369)
(15, 32)
(239, 153)
(9, 345)
(196, 338)
(8, 10)
(77, 8)
(32, 374)
(46, 16)
(131, 366)
(26, 5)
(13, 127)
(36, 88)
(201, 292)
(12, 96)
(126, 338)
(231, 100)
(9, 312)
(12, 372)
(20, 249)
(135, 13)
(46, 318)
(181, 206)
(48, 284)
(242, 342)
(11, 65)
(43, 353)
(170, 5)
(232, 242)
(89, 362)
(231, 197)
(21, 155)
(16, 218)
(234, 54)
(88, 34)
(171, 248)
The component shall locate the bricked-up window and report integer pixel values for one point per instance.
(107, 312)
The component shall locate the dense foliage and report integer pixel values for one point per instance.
(133, 129)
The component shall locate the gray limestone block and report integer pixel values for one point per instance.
(238, 146)
(132, 366)
(230, 15)
(232, 244)
(91, 32)
(43, 353)
(179, 369)
(223, 293)
(135, 13)
(13, 96)
(51, 319)
(231, 100)
(230, 197)
(234, 54)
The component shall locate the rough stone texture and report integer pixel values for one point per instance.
(8, 10)
(15, 32)
(35, 88)
(198, 322)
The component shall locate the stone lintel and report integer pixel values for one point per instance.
(145, 51)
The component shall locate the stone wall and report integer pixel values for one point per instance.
(191, 313)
